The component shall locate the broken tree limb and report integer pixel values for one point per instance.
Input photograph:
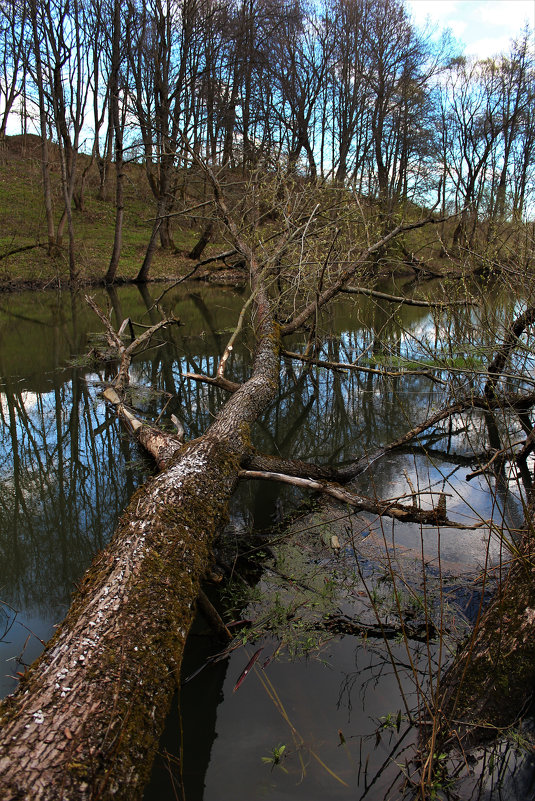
(486, 467)
(373, 293)
(125, 353)
(217, 381)
(161, 445)
(388, 508)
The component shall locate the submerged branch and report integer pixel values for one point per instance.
(372, 293)
(389, 508)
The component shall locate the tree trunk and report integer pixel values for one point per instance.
(490, 683)
(86, 719)
(118, 131)
(143, 273)
(45, 166)
(204, 239)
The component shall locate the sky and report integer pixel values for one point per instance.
(483, 27)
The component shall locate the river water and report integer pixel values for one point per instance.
(325, 711)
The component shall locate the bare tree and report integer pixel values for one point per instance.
(13, 43)
(117, 115)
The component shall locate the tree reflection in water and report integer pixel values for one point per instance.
(67, 472)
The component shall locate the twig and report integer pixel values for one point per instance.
(228, 350)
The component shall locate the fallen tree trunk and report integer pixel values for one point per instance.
(86, 719)
(490, 683)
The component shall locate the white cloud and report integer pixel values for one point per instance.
(484, 27)
(438, 11)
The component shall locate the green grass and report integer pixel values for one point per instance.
(23, 223)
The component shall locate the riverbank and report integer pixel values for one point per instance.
(26, 263)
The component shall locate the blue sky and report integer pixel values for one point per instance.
(484, 27)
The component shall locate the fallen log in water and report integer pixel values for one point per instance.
(86, 719)
(491, 681)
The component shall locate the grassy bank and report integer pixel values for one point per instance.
(23, 223)
(266, 203)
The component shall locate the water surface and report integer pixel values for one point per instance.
(328, 714)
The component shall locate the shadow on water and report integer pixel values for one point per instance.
(325, 710)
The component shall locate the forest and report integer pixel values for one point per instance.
(368, 192)
(346, 93)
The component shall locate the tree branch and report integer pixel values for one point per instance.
(373, 293)
(300, 318)
(388, 508)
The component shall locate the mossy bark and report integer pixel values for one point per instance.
(86, 720)
(491, 681)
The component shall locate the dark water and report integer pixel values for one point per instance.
(328, 715)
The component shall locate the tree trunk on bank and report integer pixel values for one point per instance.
(118, 128)
(491, 681)
(86, 720)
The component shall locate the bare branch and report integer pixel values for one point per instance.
(347, 366)
(372, 293)
(125, 354)
(389, 508)
(219, 381)
(299, 319)
(228, 350)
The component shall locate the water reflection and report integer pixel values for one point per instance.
(67, 471)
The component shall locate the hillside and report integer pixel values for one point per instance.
(23, 228)
(266, 203)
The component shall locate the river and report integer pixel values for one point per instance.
(328, 710)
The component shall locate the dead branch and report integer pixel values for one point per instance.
(359, 368)
(218, 381)
(21, 250)
(388, 508)
(219, 257)
(486, 467)
(343, 624)
(125, 353)
(161, 445)
(181, 212)
(372, 293)
(228, 350)
(292, 467)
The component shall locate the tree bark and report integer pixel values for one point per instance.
(490, 683)
(86, 719)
